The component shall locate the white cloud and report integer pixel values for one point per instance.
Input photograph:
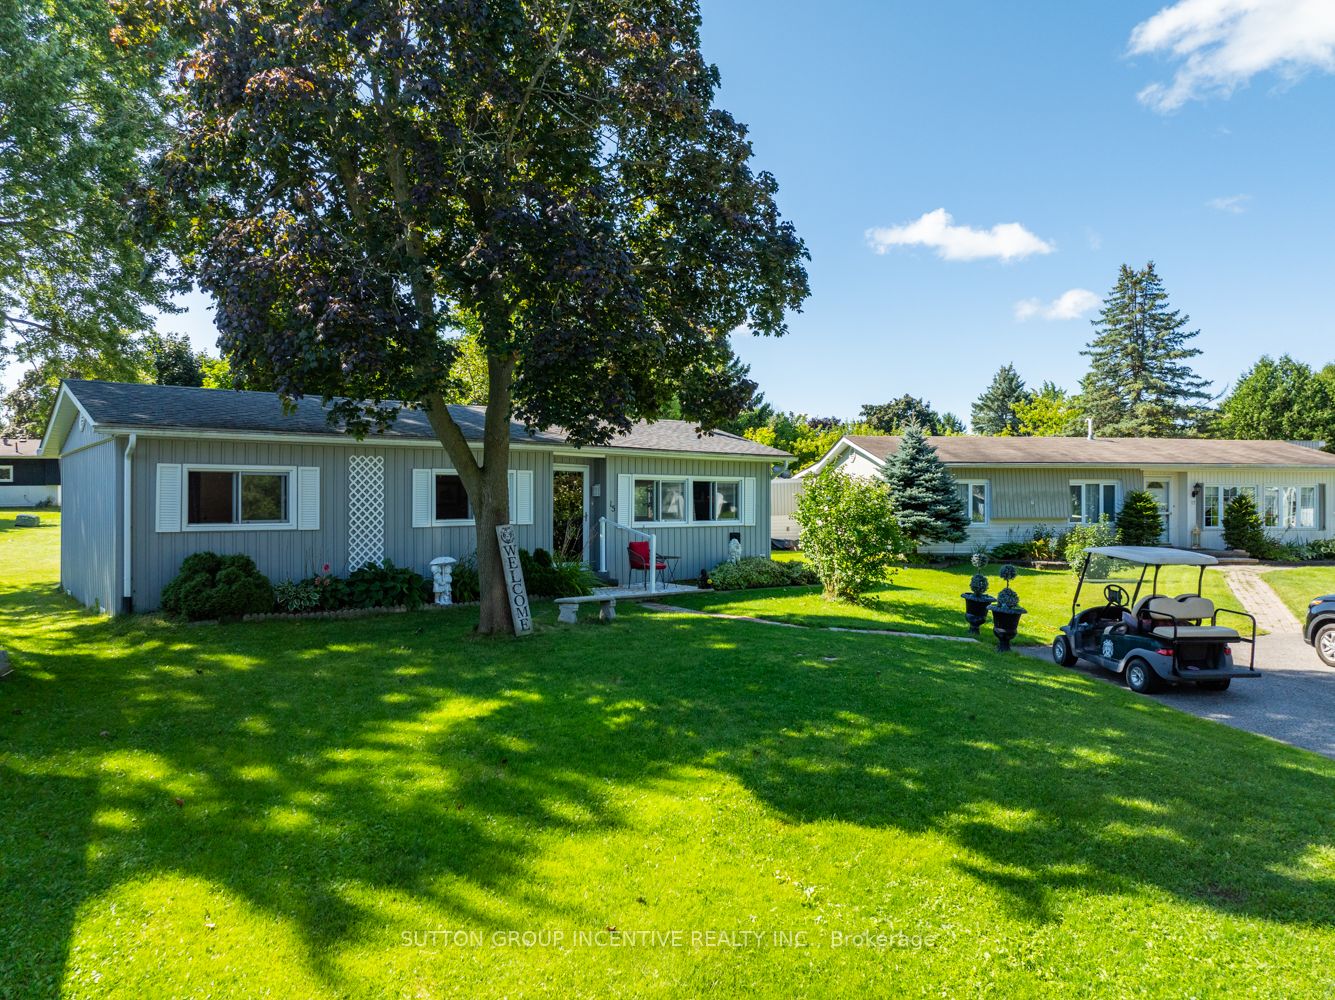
(1068, 305)
(1221, 44)
(1234, 204)
(1007, 241)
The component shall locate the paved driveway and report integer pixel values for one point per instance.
(1293, 700)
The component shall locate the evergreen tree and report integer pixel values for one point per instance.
(1242, 526)
(994, 411)
(1139, 383)
(950, 425)
(924, 494)
(1140, 522)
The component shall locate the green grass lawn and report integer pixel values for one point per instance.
(922, 599)
(1296, 587)
(293, 809)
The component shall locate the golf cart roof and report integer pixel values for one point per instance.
(1154, 555)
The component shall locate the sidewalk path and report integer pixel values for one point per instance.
(1257, 597)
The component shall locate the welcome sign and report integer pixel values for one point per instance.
(520, 612)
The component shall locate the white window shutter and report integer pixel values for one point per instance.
(748, 501)
(169, 497)
(308, 499)
(521, 512)
(625, 498)
(512, 498)
(423, 490)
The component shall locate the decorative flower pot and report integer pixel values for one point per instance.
(975, 610)
(1005, 623)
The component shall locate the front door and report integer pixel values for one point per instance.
(570, 513)
(1158, 489)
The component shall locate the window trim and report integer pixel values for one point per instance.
(689, 482)
(1258, 492)
(969, 484)
(449, 522)
(1116, 484)
(6, 474)
(290, 471)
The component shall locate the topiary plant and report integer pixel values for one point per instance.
(978, 585)
(1008, 599)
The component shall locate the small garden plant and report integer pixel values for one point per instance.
(1086, 536)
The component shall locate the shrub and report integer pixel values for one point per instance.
(757, 571)
(465, 587)
(213, 586)
(1140, 522)
(978, 585)
(1242, 527)
(849, 532)
(296, 597)
(384, 585)
(1086, 536)
(546, 577)
(1006, 551)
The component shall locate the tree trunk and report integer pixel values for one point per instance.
(491, 510)
(488, 486)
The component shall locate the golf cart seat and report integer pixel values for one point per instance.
(1183, 611)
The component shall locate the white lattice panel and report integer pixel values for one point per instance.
(366, 510)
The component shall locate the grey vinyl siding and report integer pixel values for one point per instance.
(290, 554)
(1039, 495)
(1020, 499)
(90, 525)
(698, 546)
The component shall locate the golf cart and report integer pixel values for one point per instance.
(1153, 640)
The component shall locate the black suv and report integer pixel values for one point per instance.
(1320, 628)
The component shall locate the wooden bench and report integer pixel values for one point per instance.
(569, 608)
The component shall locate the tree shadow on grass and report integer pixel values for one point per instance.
(410, 759)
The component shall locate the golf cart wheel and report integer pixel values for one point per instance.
(1061, 652)
(1325, 644)
(1219, 685)
(1140, 677)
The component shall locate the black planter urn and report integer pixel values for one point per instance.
(1005, 623)
(975, 610)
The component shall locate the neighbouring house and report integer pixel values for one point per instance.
(1010, 485)
(153, 473)
(27, 479)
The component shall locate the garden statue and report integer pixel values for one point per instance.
(734, 550)
(442, 579)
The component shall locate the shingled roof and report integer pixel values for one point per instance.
(968, 449)
(132, 406)
(19, 447)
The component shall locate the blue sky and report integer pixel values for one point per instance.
(874, 114)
